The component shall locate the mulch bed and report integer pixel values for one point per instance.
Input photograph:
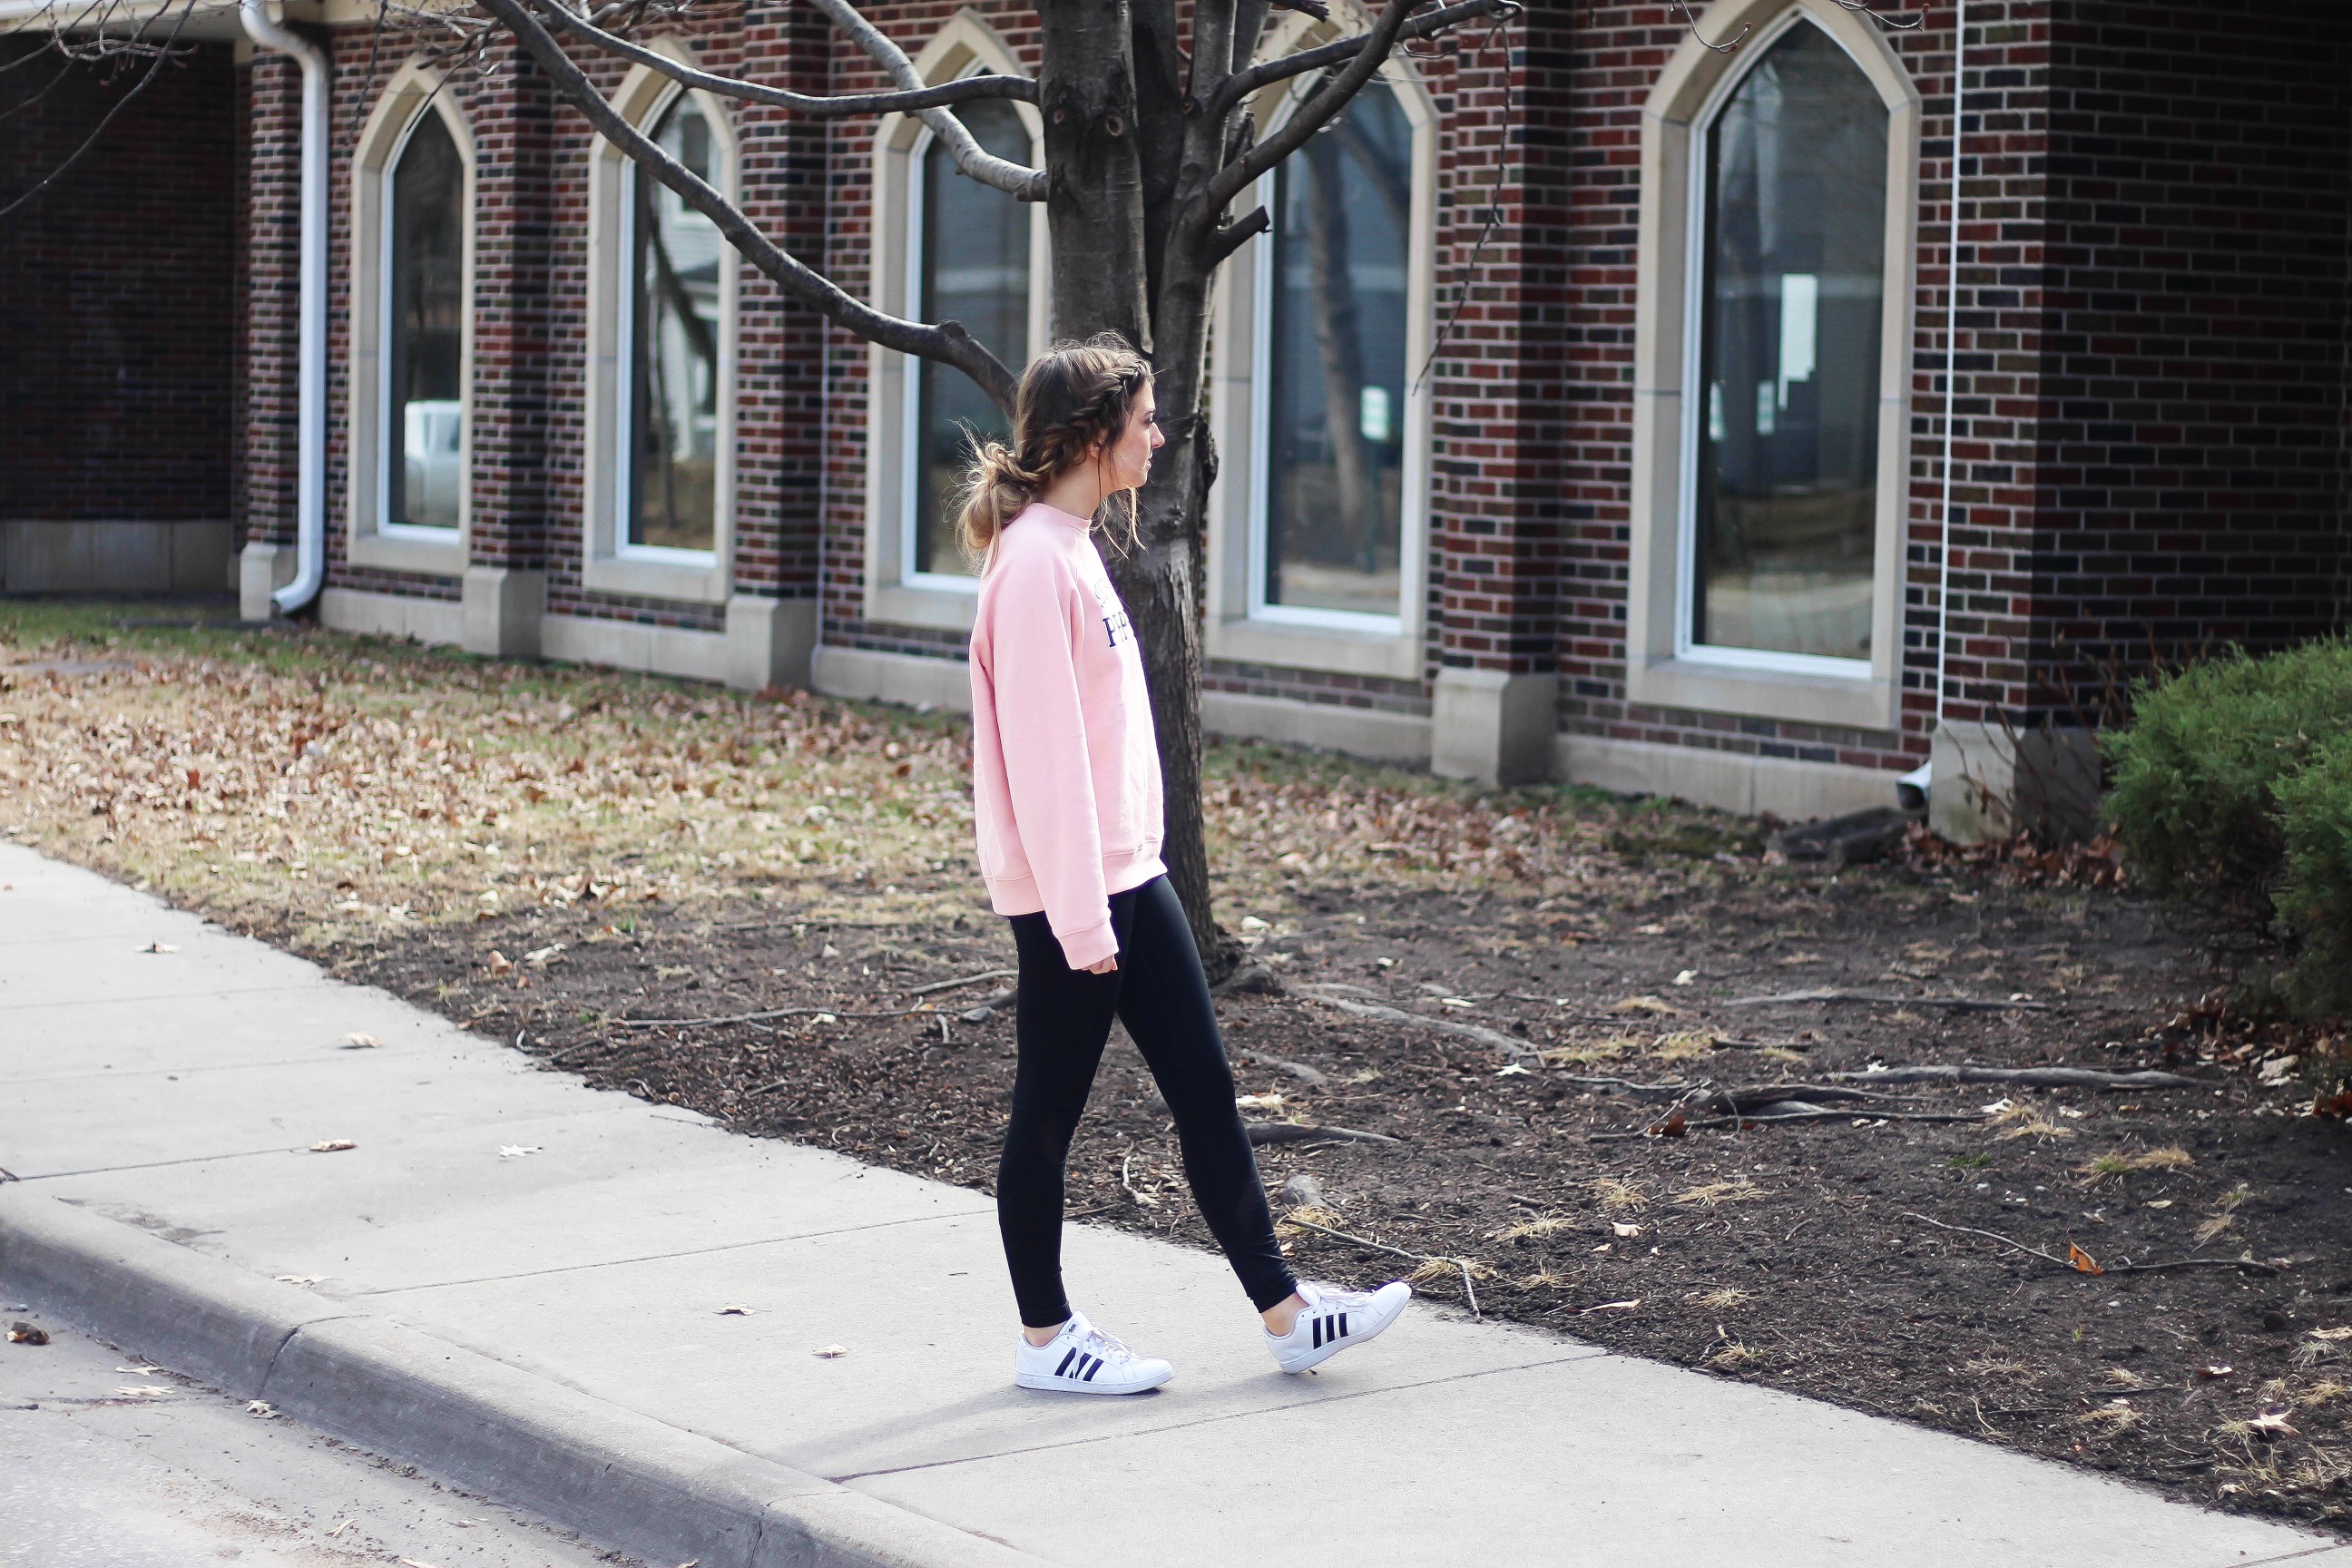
(1872, 1256)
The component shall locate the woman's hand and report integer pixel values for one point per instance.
(1105, 967)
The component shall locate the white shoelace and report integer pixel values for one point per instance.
(1109, 1347)
(1333, 1299)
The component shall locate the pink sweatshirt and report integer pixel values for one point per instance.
(1064, 765)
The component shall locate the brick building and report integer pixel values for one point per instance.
(1585, 413)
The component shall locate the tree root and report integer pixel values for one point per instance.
(2082, 1262)
(1887, 999)
(2025, 1077)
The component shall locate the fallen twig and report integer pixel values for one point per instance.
(759, 1017)
(1515, 1048)
(1262, 1132)
(1886, 999)
(966, 979)
(1794, 1110)
(2025, 1078)
(1142, 1200)
(1313, 1077)
(1366, 1241)
(2248, 1263)
(1627, 1085)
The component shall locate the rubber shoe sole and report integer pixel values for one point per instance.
(1049, 1383)
(1322, 1354)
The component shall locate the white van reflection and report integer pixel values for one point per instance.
(435, 475)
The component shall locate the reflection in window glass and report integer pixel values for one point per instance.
(973, 267)
(1786, 483)
(673, 365)
(424, 326)
(1336, 383)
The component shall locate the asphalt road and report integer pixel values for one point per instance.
(106, 1464)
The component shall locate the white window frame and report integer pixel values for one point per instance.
(1663, 666)
(415, 91)
(612, 564)
(1242, 627)
(896, 593)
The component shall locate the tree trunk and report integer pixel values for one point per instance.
(1093, 206)
(1112, 264)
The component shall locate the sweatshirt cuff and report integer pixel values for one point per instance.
(1085, 949)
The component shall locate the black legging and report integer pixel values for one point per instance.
(1064, 1019)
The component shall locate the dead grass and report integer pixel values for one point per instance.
(1618, 1196)
(1734, 1356)
(338, 787)
(1710, 1194)
(2224, 1216)
(2113, 1419)
(2116, 1163)
(1551, 1225)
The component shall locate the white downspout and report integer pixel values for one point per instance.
(1951, 362)
(311, 407)
(1922, 778)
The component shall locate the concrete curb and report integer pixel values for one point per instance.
(617, 1477)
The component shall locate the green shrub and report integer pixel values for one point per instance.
(2232, 797)
(2314, 897)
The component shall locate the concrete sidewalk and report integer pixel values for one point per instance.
(547, 1326)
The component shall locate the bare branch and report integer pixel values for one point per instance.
(1018, 180)
(1723, 48)
(949, 342)
(814, 107)
(1328, 100)
(1242, 83)
(1249, 24)
(162, 54)
(1230, 238)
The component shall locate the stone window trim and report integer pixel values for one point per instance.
(415, 92)
(1660, 668)
(611, 565)
(1239, 627)
(894, 593)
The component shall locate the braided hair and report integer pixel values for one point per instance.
(1075, 400)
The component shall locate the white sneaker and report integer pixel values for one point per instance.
(1082, 1359)
(1333, 1320)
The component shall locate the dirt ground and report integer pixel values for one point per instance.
(1524, 1003)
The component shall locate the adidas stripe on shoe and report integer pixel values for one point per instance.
(1334, 1319)
(1082, 1359)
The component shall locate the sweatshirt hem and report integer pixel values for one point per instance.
(1019, 895)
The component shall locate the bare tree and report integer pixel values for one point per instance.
(1150, 140)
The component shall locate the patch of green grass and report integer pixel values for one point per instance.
(1977, 1162)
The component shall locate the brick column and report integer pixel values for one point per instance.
(515, 303)
(780, 429)
(272, 330)
(1495, 501)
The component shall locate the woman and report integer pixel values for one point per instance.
(1066, 788)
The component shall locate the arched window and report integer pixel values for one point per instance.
(409, 396)
(423, 397)
(670, 374)
(1333, 291)
(970, 245)
(659, 455)
(944, 247)
(1771, 383)
(1782, 444)
(1320, 401)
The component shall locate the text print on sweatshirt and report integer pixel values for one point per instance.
(1065, 765)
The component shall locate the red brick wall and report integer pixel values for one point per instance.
(2190, 462)
(117, 289)
(2151, 335)
(272, 300)
(1601, 63)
